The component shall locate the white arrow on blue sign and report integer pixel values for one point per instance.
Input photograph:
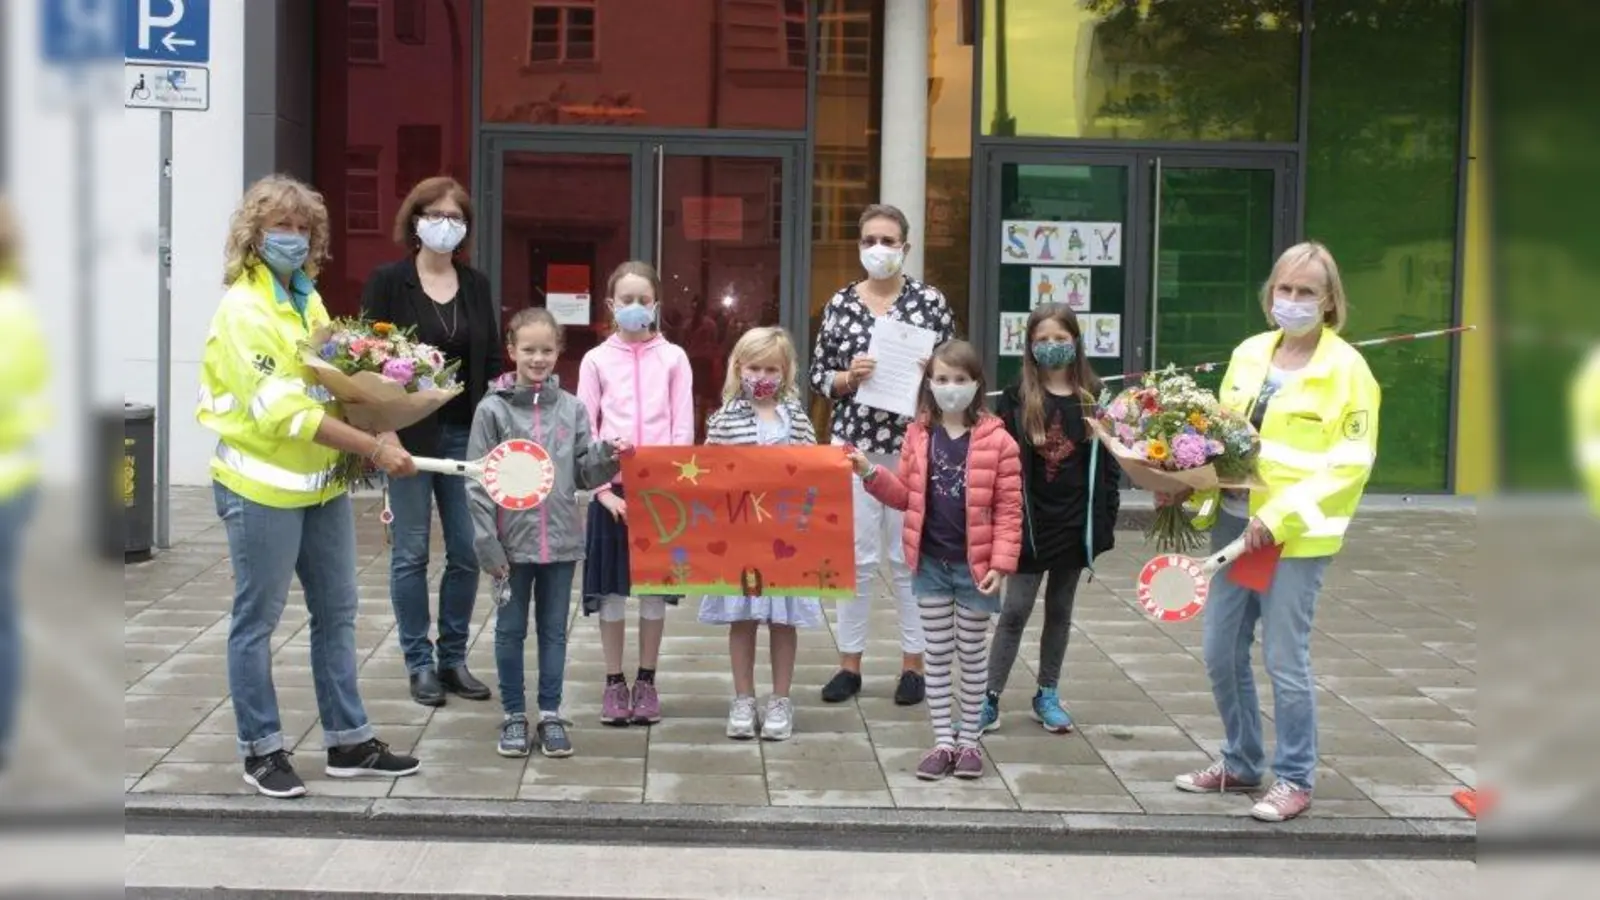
(173, 31)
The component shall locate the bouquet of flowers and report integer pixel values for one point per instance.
(383, 378)
(1171, 435)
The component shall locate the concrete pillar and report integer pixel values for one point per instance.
(903, 160)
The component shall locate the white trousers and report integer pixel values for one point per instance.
(878, 527)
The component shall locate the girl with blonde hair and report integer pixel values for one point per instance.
(760, 408)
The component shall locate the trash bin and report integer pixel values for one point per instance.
(138, 478)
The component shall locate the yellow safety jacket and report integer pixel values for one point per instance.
(1585, 417)
(1319, 438)
(24, 373)
(256, 395)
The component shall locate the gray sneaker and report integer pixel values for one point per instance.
(553, 739)
(777, 723)
(513, 736)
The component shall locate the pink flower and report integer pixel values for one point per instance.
(1119, 410)
(434, 359)
(1126, 434)
(1189, 451)
(359, 346)
(1142, 448)
(401, 370)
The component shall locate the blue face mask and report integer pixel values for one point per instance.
(284, 251)
(635, 316)
(1055, 354)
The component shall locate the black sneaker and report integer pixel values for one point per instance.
(272, 775)
(911, 689)
(844, 685)
(513, 736)
(553, 739)
(369, 760)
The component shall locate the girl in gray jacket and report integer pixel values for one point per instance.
(532, 554)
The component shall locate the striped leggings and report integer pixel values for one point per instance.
(953, 632)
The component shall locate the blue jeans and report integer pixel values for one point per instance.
(549, 587)
(411, 500)
(1285, 613)
(268, 547)
(14, 514)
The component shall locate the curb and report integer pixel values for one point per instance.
(821, 828)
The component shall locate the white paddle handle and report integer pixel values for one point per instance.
(1222, 557)
(449, 467)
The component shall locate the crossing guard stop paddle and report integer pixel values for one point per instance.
(1174, 587)
(517, 475)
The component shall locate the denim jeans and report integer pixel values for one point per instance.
(14, 514)
(549, 588)
(412, 500)
(1285, 613)
(268, 547)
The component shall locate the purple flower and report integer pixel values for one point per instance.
(1126, 435)
(401, 370)
(328, 351)
(1189, 451)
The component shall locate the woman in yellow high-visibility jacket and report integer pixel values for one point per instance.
(284, 512)
(1314, 402)
(23, 374)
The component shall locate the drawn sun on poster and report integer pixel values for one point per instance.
(690, 471)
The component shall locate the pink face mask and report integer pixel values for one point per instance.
(762, 388)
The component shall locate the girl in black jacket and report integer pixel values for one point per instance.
(1071, 501)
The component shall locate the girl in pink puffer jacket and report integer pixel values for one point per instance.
(960, 485)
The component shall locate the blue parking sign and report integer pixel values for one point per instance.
(79, 31)
(169, 31)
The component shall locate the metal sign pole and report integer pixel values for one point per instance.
(164, 343)
(92, 443)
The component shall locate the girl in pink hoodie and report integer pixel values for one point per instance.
(637, 387)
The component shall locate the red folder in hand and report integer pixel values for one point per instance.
(1254, 569)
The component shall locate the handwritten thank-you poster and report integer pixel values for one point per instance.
(740, 521)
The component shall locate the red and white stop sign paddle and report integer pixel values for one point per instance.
(518, 474)
(1174, 587)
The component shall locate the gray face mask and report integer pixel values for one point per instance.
(954, 397)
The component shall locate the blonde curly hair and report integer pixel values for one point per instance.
(273, 198)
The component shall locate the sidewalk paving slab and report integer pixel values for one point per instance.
(1394, 656)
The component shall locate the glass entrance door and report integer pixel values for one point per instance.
(718, 221)
(1160, 255)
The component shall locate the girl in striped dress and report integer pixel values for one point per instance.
(760, 407)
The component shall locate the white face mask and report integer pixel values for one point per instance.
(1296, 317)
(441, 235)
(882, 262)
(954, 397)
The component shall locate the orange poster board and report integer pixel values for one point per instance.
(740, 521)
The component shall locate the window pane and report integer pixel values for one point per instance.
(369, 148)
(688, 63)
(1142, 69)
(947, 237)
(1381, 193)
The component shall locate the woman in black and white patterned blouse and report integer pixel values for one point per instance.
(839, 365)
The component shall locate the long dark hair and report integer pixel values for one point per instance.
(1079, 372)
(964, 357)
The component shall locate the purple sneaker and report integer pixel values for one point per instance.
(646, 703)
(936, 764)
(969, 763)
(617, 706)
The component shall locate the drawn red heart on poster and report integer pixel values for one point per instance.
(644, 473)
(642, 543)
(792, 469)
(833, 518)
(782, 550)
(718, 547)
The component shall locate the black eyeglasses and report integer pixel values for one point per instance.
(870, 241)
(444, 217)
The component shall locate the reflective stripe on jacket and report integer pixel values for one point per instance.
(24, 408)
(1319, 439)
(256, 395)
(1585, 419)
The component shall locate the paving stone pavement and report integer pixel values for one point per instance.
(1394, 654)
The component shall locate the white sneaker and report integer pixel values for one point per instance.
(778, 722)
(742, 718)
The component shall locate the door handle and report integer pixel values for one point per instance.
(661, 164)
(1155, 262)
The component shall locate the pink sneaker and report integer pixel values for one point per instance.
(646, 703)
(1212, 780)
(936, 764)
(1282, 803)
(969, 763)
(617, 706)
